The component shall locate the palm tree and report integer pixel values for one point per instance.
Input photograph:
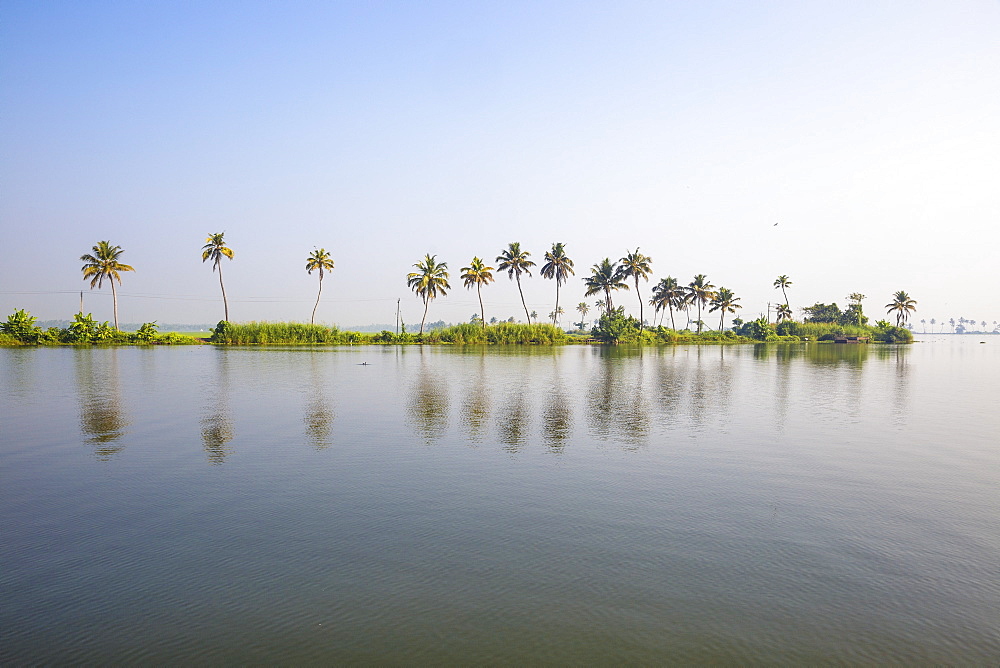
(556, 315)
(584, 309)
(724, 300)
(429, 281)
(784, 313)
(103, 263)
(700, 292)
(515, 261)
(636, 265)
(902, 305)
(782, 282)
(215, 249)
(478, 274)
(605, 277)
(318, 259)
(667, 293)
(558, 266)
(533, 317)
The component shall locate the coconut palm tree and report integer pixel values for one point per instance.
(724, 300)
(515, 262)
(636, 265)
(700, 292)
(666, 295)
(584, 309)
(556, 315)
(558, 266)
(321, 260)
(902, 305)
(103, 263)
(533, 317)
(782, 282)
(429, 281)
(215, 249)
(605, 277)
(478, 274)
(784, 312)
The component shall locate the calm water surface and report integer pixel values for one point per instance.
(745, 505)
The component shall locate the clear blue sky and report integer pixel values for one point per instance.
(870, 132)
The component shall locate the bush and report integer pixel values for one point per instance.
(616, 327)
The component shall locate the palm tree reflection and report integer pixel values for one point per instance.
(103, 419)
(217, 426)
(428, 401)
(319, 413)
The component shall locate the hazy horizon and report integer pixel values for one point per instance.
(853, 148)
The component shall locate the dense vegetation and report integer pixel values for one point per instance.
(20, 329)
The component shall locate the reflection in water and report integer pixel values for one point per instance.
(836, 354)
(513, 419)
(557, 416)
(428, 400)
(617, 400)
(476, 402)
(319, 414)
(217, 426)
(102, 416)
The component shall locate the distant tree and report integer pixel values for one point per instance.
(215, 249)
(784, 313)
(782, 282)
(557, 266)
(667, 294)
(429, 281)
(903, 305)
(636, 265)
(701, 293)
(533, 317)
(584, 309)
(724, 300)
(933, 322)
(318, 260)
(605, 277)
(820, 312)
(515, 262)
(478, 274)
(924, 323)
(103, 263)
(855, 309)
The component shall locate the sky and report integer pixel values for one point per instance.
(850, 146)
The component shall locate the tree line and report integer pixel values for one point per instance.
(430, 280)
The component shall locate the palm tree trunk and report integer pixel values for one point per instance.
(114, 298)
(479, 289)
(424, 319)
(641, 321)
(526, 314)
(225, 302)
(555, 313)
(699, 316)
(672, 325)
(313, 321)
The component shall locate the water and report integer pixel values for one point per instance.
(745, 504)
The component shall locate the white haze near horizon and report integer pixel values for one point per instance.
(850, 146)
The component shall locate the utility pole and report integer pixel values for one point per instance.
(81, 302)
(397, 315)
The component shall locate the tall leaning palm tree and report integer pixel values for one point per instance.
(515, 262)
(215, 249)
(103, 263)
(321, 260)
(605, 277)
(429, 281)
(782, 282)
(902, 305)
(478, 274)
(636, 265)
(725, 301)
(700, 292)
(557, 266)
